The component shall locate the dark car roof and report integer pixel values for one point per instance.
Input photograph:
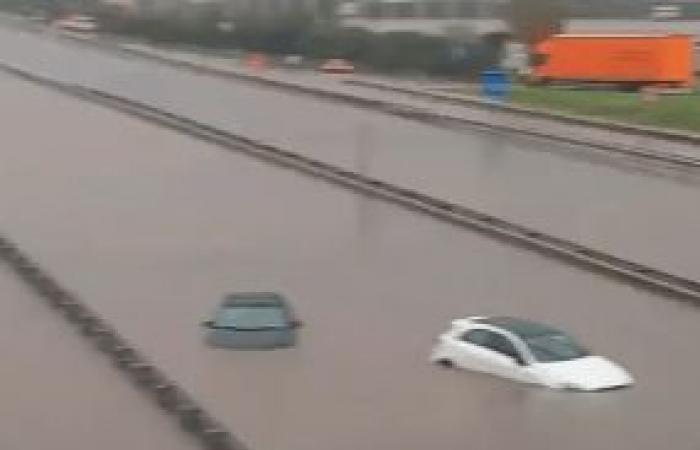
(521, 327)
(254, 299)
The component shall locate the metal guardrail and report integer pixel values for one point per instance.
(171, 398)
(658, 133)
(427, 116)
(438, 119)
(639, 274)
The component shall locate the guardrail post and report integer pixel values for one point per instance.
(168, 396)
(123, 356)
(144, 374)
(90, 324)
(6, 247)
(74, 311)
(218, 439)
(45, 285)
(105, 340)
(192, 418)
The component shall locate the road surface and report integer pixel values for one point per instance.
(151, 228)
(634, 215)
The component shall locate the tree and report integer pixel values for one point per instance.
(328, 11)
(534, 20)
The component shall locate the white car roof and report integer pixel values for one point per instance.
(510, 325)
(467, 322)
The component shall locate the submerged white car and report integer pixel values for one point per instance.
(528, 352)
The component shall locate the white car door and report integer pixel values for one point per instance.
(507, 360)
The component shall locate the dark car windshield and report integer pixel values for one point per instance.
(251, 317)
(555, 347)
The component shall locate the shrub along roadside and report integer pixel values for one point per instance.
(393, 52)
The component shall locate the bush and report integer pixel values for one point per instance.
(402, 51)
(274, 36)
(348, 43)
(392, 52)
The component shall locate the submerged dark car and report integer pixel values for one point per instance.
(252, 320)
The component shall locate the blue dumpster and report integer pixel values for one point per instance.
(495, 85)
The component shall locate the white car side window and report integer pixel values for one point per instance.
(504, 345)
(492, 341)
(477, 337)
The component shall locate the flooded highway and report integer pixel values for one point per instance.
(151, 228)
(641, 217)
(59, 393)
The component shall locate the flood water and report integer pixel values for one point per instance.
(152, 228)
(537, 183)
(59, 393)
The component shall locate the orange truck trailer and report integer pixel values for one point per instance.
(632, 60)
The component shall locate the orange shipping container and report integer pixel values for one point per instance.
(639, 59)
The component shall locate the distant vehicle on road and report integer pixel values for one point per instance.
(666, 12)
(253, 320)
(256, 61)
(293, 60)
(78, 23)
(528, 352)
(339, 66)
(628, 60)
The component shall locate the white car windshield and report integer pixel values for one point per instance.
(555, 347)
(251, 317)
